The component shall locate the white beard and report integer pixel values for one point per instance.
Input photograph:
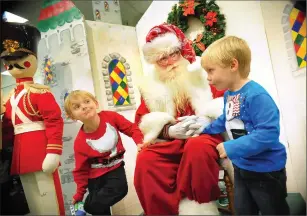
(171, 72)
(167, 91)
(176, 80)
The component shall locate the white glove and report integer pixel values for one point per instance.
(188, 118)
(51, 162)
(178, 131)
(198, 127)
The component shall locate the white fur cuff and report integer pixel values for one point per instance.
(191, 207)
(214, 108)
(196, 66)
(152, 123)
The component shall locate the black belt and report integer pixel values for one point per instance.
(106, 161)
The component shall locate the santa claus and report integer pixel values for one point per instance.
(177, 172)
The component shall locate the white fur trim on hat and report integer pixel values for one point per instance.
(161, 45)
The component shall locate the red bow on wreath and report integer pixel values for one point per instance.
(188, 7)
(198, 42)
(211, 18)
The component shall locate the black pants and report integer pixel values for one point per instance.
(264, 192)
(105, 191)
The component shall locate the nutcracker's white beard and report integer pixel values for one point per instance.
(176, 79)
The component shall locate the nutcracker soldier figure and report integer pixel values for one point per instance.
(36, 117)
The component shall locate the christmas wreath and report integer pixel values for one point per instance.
(208, 12)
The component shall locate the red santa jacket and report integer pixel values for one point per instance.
(151, 123)
(32, 145)
(89, 146)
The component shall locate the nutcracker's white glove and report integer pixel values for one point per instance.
(179, 130)
(51, 162)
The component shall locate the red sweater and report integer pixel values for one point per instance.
(84, 152)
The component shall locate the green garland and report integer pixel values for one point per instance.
(208, 12)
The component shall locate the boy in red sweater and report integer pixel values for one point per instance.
(99, 152)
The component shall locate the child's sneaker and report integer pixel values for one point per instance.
(78, 208)
(223, 201)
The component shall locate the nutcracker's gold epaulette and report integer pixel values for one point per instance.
(37, 88)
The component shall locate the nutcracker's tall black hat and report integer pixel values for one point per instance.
(18, 39)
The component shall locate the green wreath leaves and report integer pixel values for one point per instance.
(208, 12)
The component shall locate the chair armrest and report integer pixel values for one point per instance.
(226, 164)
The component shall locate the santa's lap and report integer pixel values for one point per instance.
(168, 171)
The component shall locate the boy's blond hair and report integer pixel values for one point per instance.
(224, 50)
(75, 94)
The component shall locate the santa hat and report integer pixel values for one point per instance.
(165, 39)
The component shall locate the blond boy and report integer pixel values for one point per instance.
(99, 153)
(251, 120)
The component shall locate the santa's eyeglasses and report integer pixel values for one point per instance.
(174, 56)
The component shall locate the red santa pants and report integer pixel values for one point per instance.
(169, 171)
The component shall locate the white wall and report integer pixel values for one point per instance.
(7, 84)
(249, 26)
(291, 89)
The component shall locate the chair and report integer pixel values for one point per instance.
(227, 168)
